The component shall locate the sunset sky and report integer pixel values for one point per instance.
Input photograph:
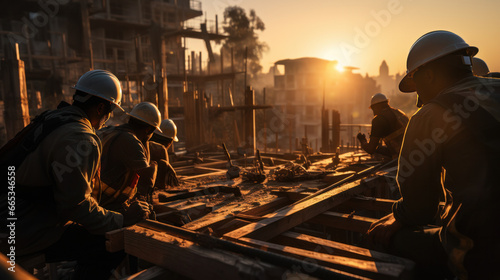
(362, 33)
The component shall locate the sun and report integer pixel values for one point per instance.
(340, 67)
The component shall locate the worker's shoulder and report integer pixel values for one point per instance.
(125, 137)
(70, 123)
(430, 111)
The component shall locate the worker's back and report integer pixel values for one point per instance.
(390, 125)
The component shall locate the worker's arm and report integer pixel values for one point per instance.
(73, 166)
(369, 147)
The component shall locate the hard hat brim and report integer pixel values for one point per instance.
(90, 92)
(143, 120)
(407, 84)
(160, 133)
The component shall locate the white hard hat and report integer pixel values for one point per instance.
(430, 47)
(101, 83)
(378, 98)
(479, 67)
(148, 113)
(168, 129)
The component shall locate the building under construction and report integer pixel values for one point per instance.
(294, 206)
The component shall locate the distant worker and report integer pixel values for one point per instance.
(126, 168)
(55, 160)
(159, 144)
(454, 137)
(388, 124)
(480, 68)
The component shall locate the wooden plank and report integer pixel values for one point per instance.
(201, 192)
(268, 207)
(193, 261)
(335, 177)
(152, 273)
(293, 215)
(184, 214)
(115, 240)
(221, 220)
(230, 226)
(344, 221)
(370, 203)
(203, 175)
(321, 245)
(371, 269)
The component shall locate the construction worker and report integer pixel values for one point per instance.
(454, 136)
(158, 147)
(480, 68)
(388, 124)
(55, 160)
(126, 168)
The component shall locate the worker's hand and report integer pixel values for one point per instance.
(381, 231)
(136, 212)
(361, 137)
(171, 176)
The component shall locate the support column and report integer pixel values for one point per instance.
(250, 119)
(16, 111)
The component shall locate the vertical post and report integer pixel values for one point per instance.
(265, 120)
(108, 9)
(233, 84)
(193, 68)
(200, 62)
(16, 110)
(335, 130)
(277, 138)
(216, 25)
(250, 119)
(325, 125)
(87, 38)
(138, 60)
(221, 82)
(139, 9)
(30, 58)
(65, 56)
(246, 61)
(162, 81)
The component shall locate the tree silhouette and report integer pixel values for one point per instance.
(242, 34)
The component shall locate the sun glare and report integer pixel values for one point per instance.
(339, 67)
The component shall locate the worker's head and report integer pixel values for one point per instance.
(98, 93)
(479, 67)
(145, 119)
(378, 102)
(436, 61)
(168, 133)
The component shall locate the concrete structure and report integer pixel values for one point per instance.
(141, 41)
(309, 84)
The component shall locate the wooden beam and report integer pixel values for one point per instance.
(268, 207)
(370, 203)
(293, 215)
(193, 261)
(115, 239)
(152, 273)
(316, 244)
(344, 221)
(371, 269)
(219, 221)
